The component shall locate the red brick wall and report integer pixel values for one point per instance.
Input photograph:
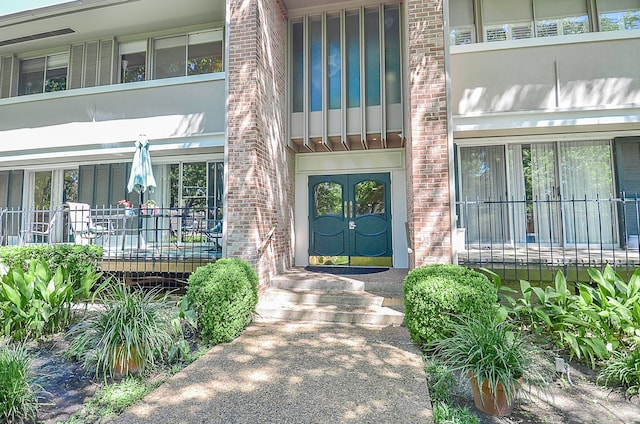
(429, 213)
(259, 165)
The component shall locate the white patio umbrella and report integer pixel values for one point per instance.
(141, 178)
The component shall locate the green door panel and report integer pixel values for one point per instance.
(350, 219)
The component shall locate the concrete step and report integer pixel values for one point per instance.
(372, 315)
(283, 297)
(317, 283)
(298, 295)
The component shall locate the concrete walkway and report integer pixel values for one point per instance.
(296, 373)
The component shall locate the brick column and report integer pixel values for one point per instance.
(428, 197)
(259, 173)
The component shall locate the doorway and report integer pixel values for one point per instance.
(350, 220)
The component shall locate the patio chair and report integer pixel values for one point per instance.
(39, 231)
(213, 234)
(82, 226)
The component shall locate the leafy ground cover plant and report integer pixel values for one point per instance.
(434, 293)
(224, 295)
(602, 318)
(38, 301)
(18, 390)
(112, 399)
(132, 331)
(445, 413)
(74, 258)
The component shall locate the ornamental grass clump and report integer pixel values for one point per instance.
(489, 350)
(434, 293)
(132, 332)
(18, 390)
(224, 295)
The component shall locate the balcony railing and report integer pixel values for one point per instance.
(151, 242)
(533, 239)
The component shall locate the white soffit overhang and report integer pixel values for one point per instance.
(545, 122)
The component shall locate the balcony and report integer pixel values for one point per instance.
(138, 243)
(534, 239)
(100, 123)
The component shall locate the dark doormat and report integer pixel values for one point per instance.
(344, 270)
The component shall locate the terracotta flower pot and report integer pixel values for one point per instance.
(488, 402)
(128, 365)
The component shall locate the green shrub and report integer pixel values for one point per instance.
(433, 293)
(18, 391)
(224, 295)
(74, 258)
(38, 301)
(132, 332)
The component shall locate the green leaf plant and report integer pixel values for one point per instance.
(39, 301)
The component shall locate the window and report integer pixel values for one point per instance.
(561, 18)
(370, 37)
(504, 20)
(198, 186)
(192, 54)
(616, 15)
(461, 22)
(133, 61)
(43, 74)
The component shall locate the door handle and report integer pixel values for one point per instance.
(352, 225)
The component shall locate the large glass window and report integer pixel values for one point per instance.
(315, 53)
(297, 68)
(133, 60)
(370, 38)
(616, 15)
(334, 62)
(192, 54)
(198, 188)
(517, 19)
(353, 59)
(43, 74)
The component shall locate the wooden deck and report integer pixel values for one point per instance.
(541, 263)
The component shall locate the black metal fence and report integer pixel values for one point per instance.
(138, 243)
(534, 239)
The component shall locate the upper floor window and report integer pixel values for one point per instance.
(618, 15)
(359, 48)
(192, 54)
(503, 20)
(133, 61)
(43, 74)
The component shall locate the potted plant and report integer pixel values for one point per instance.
(492, 353)
(133, 330)
(150, 207)
(128, 207)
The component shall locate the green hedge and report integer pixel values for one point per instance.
(72, 257)
(224, 295)
(433, 293)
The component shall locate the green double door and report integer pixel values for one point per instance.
(350, 220)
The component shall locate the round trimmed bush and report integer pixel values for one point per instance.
(224, 294)
(434, 293)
